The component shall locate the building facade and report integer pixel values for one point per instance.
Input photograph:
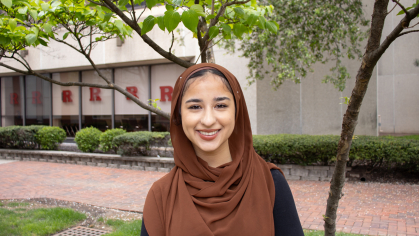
(390, 105)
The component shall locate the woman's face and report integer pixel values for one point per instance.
(208, 114)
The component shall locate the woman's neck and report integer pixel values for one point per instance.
(217, 157)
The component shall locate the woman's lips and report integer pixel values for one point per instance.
(205, 135)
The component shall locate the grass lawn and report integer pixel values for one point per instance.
(17, 220)
(321, 233)
(124, 228)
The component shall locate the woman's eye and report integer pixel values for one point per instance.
(194, 107)
(220, 106)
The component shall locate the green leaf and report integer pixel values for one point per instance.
(169, 7)
(47, 27)
(42, 42)
(65, 35)
(45, 6)
(30, 38)
(239, 11)
(238, 30)
(12, 24)
(226, 31)
(251, 20)
(150, 3)
(271, 26)
(210, 17)
(122, 4)
(198, 9)
(213, 32)
(34, 14)
(171, 20)
(107, 17)
(7, 3)
(160, 22)
(119, 25)
(190, 19)
(23, 10)
(148, 24)
(4, 40)
(261, 22)
(138, 2)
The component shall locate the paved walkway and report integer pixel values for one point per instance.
(366, 208)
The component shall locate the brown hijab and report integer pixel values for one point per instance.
(236, 198)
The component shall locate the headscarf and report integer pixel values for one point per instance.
(236, 198)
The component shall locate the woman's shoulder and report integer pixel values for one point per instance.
(163, 184)
(278, 177)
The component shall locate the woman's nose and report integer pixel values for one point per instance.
(208, 118)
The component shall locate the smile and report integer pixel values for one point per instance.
(208, 135)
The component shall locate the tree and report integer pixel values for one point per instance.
(29, 23)
(310, 32)
(374, 50)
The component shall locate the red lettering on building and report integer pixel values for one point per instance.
(14, 99)
(166, 91)
(67, 96)
(132, 90)
(36, 97)
(94, 94)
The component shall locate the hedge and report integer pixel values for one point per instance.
(88, 139)
(139, 142)
(321, 149)
(49, 137)
(20, 137)
(107, 137)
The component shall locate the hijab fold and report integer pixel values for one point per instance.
(236, 198)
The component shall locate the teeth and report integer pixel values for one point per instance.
(208, 134)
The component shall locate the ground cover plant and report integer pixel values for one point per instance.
(17, 220)
(320, 233)
(124, 228)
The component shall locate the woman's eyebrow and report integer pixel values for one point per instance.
(218, 99)
(194, 100)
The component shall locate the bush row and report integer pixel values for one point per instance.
(321, 149)
(280, 148)
(118, 140)
(31, 137)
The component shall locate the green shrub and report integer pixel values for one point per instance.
(49, 137)
(139, 142)
(321, 149)
(87, 139)
(21, 137)
(107, 137)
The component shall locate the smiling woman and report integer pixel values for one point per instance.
(219, 186)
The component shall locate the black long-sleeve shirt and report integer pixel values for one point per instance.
(286, 219)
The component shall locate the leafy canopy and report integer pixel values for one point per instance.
(310, 32)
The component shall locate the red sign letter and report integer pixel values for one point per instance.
(94, 94)
(132, 90)
(13, 99)
(36, 97)
(166, 91)
(67, 96)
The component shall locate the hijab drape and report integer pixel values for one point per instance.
(236, 198)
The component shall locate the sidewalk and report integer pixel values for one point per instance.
(366, 208)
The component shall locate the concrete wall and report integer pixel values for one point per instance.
(312, 107)
(398, 81)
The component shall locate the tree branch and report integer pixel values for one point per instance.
(400, 5)
(396, 32)
(395, 5)
(408, 32)
(134, 25)
(173, 39)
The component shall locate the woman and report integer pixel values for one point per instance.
(219, 186)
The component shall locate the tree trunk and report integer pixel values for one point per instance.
(351, 116)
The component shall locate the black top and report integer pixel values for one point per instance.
(285, 214)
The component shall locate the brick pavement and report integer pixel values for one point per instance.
(366, 208)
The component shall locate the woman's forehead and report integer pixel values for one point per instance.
(207, 84)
